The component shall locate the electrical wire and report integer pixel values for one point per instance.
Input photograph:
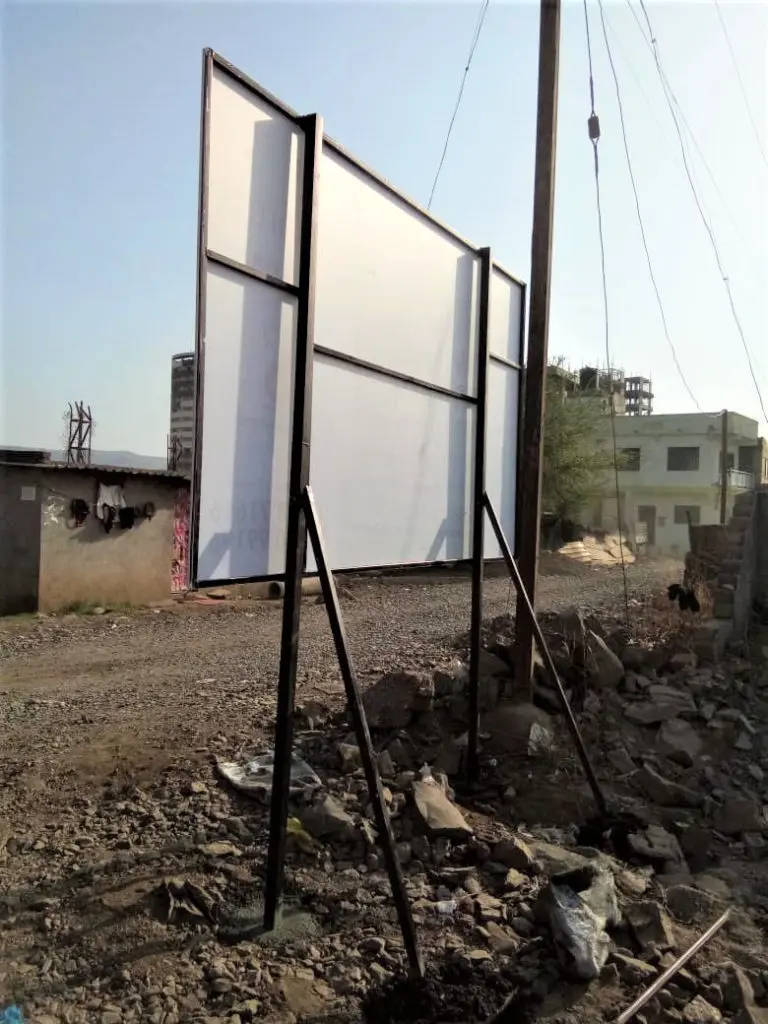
(744, 96)
(473, 46)
(702, 215)
(632, 179)
(594, 136)
(694, 141)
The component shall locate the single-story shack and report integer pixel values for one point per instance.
(89, 535)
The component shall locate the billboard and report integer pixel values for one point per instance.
(394, 353)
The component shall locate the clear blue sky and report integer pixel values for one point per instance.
(100, 152)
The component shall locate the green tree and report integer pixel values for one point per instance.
(577, 457)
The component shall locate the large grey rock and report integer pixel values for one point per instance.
(663, 792)
(605, 668)
(695, 843)
(632, 971)
(699, 1011)
(514, 853)
(439, 815)
(739, 814)
(692, 906)
(679, 741)
(664, 702)
(751, 1015)
(329, 820)
(650, 925)
(556, 858)
(509, 727)
(656, 845)
(349, 754)
(738, 993)
(494, 674)
(392, 701)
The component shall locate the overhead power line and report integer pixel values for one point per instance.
(594, 136)
(702, 215)
(667, 85)
(632, 179)
(744, 96)
(473, 46)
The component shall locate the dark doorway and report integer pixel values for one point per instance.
(20, 530)
(647, 514)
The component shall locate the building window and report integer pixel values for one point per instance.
(747, 458)
(682, 512)
(682, 459)
(730, 461)
(629, 459)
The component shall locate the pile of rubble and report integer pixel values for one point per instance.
(527, 905)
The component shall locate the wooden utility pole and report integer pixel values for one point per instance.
(723, 466)
(531, 448)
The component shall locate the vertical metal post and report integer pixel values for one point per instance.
(202, 289)
(362, 733)
(478, 516)
(296, 542)
(524, 603)
(724, 466)
(538, 331)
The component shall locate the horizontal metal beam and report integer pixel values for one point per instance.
(503, 361)
(384, 371)
(256, 275)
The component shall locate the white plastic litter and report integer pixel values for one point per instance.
(540, 740)
(255, 778)
(446, 907)
(578, 917)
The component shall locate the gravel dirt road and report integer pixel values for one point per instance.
(108, 797)
(84, 697)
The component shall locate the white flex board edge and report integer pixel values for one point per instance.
(246, 432)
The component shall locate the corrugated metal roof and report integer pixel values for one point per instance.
(96, 469)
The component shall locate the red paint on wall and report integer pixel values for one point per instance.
(180, 562)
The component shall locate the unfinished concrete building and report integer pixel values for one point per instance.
(182, 431)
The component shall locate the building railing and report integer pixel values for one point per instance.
(740, 479)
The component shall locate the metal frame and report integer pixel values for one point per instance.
(296, 540)
(202, 267)
(211, 61)
(478, 515)
(549, 665)
(362, 733)
(303, 521)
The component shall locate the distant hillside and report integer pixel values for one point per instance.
(128, 459)
(102, 458)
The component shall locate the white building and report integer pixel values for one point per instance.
(673, 474)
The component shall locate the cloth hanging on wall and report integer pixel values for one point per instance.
(126, 517)
(111, 495)
(80, 510)
(109, 503)
(107, 517)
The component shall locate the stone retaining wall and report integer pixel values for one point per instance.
(736, 575)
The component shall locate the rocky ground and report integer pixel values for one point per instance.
(132, 870)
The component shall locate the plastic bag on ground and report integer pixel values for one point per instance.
(255, 778)
(579, 905)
